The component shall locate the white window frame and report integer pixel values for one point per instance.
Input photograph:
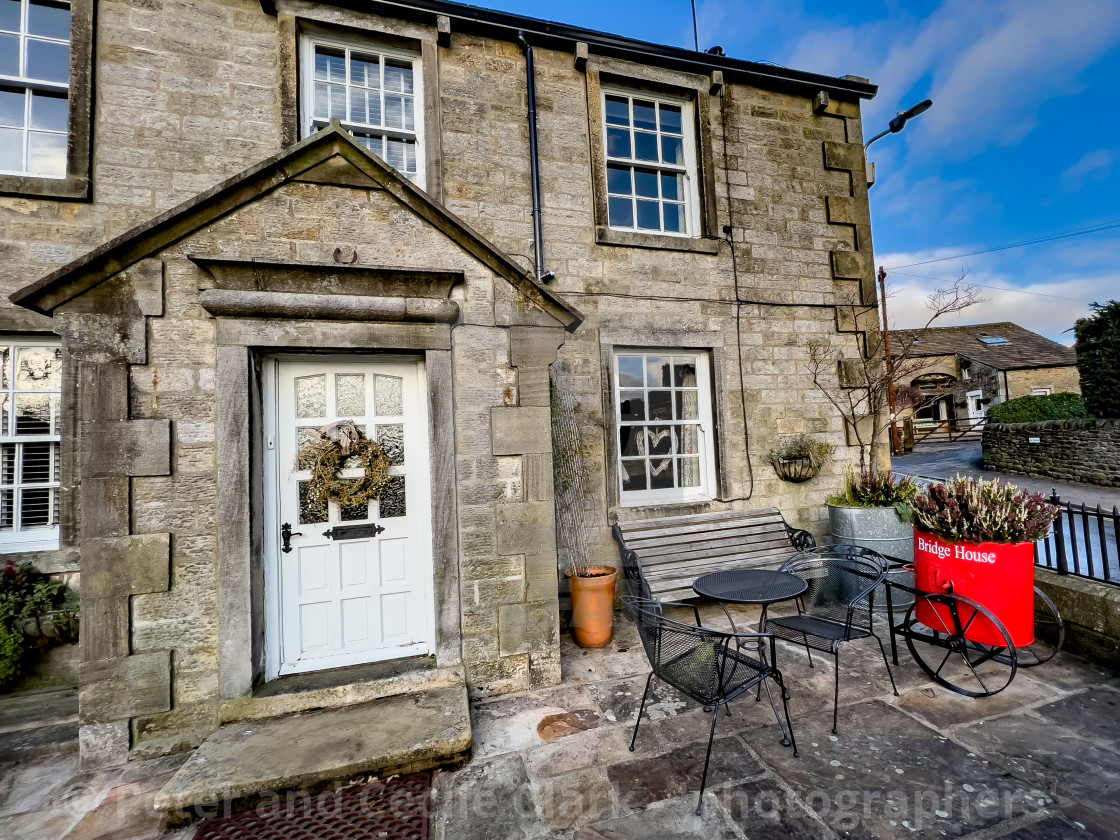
(706, 490)
(30, 85)
(35, 537)
(689, 170)
(1043, 391)
(309, 125)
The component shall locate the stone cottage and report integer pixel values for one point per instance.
(976, 366)
(413, 215)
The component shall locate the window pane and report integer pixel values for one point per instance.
(365, 106)
(392, 502)
(394, 112)
(11, 149)
(689, 469)
(33, 414)
(688, 442)
(618, 180)
(350, 394)
(36, 507)
(39, 369)
(645, 146)
(631, 440)
(672, 150)
(387, 395)
(645, 115)
(674, 217)
(330, 65)
(660, 405)
(5, 358)
(649, 215)
(659, 440)
(671, 119)
(398, 76)
(5, 510)
(657, 372)
(394, 153)
(46, 154)
(672, 186)
(634, 475)
(688, 405)
(630, 374)
(390, 437)
(618, 110)
(11, 108)
(9, 55)
(365, 71)
(620, 212)
(49, 112)
(311, 396)
(632, 405)
(50, 21)
(36, 463)
(48, 61)
(9, 15)
(618, 143)
(308, 512)
(409, 117)
(661, 474)
(645, 182)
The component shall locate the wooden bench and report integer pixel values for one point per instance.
(670, 553)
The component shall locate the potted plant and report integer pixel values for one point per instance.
(873, 510)
(591, 586)
(975, 538)
(800, 458)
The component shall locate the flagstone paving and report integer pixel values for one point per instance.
(1041, 761)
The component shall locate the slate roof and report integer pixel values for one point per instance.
(1024, 349)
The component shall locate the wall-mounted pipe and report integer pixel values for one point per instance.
(534, 159)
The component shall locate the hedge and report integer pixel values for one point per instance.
(1098, 358)
(1064, 406)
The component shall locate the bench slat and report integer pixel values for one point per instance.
(698, 519)
(683, 531)
(669, 549)
(669, 541)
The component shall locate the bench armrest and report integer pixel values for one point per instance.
(799, 539)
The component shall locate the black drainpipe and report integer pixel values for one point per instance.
(534, 159)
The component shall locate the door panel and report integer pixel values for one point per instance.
(341, 602)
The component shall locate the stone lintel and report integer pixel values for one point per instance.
(126, 447)
(117, 689)
(338, 335)
(521, 430)
(249, 304)
(134, 565)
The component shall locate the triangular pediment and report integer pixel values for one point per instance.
(329, 157)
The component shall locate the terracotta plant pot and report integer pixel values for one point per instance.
(593, 606)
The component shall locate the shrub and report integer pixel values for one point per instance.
(1064, 406)
(974, 510)
(881, 490)
(804, 446)
(12, 647)
(1098, 358)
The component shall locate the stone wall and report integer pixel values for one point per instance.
(1070, 450)
(1091, 612)
(1059, 380)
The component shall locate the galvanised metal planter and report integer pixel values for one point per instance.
(881, 529)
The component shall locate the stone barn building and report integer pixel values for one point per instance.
(227, 224)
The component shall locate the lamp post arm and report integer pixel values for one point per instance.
(878, 136)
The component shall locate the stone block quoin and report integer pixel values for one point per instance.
(104, 331)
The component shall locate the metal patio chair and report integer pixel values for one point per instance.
(837, 607)
(705, 665)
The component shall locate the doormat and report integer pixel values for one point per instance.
(391, 809)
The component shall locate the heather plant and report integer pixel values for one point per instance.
(867, 490)
(973, 510)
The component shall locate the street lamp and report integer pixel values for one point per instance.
(896, 125)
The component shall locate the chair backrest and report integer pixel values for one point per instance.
(634, 583)
(691, 659)
(841, 582)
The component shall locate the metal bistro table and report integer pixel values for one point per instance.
(750, 586)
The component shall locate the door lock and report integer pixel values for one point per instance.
(286, 534)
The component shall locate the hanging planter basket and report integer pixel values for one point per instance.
(796, 469)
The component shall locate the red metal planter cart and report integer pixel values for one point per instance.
(977, 615)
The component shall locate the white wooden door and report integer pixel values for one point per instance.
(976, 408)
(349, 600)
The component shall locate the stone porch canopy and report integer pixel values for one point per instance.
(162, 493)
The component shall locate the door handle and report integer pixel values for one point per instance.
(286, 534)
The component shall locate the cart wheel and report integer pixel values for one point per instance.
(1049, 633)
(967, 668)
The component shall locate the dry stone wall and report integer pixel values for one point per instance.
(1070, 450)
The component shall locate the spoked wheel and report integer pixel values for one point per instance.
(1049, 633)
(942, 643)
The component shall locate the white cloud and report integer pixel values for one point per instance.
(1094, 166)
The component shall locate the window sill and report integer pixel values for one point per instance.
(74, 188)
(628, 513)
(629, 239)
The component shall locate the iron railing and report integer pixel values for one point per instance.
(1083, 542)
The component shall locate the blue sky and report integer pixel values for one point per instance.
(1023, 140)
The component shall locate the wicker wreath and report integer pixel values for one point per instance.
(336, 443)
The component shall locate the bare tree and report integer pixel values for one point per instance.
(857, 379)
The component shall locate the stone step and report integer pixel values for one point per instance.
(34, 724)
(407, 731)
